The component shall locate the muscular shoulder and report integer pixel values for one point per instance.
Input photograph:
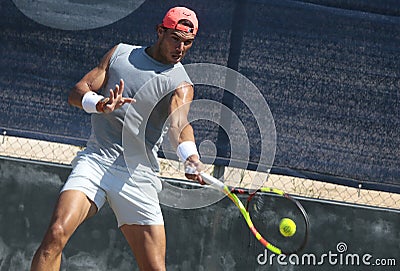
(184, 91)
(121, 49)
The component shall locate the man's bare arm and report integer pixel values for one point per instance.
(181, 132)
(180, 128)
(94, 81)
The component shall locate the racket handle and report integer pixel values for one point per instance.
(212, 181)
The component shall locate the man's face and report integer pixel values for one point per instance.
(174, 44)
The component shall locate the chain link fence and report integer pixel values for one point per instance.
(63, 154)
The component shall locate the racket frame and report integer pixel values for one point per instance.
(231, 193)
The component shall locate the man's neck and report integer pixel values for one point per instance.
(152, 52)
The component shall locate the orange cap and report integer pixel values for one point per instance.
(174, 15)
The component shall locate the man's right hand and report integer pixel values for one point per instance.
(193, 167)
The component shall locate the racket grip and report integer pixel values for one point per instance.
(212, 181)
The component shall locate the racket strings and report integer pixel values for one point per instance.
(257, 206)
(244, 209)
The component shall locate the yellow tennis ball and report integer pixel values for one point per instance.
(287, 227)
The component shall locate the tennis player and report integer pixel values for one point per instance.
(100, 172)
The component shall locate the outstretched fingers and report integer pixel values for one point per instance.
(116, 100)
(121, 86)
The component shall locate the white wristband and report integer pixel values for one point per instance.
(186, 149)
(90, 100)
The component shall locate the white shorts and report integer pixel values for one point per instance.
(132, 197)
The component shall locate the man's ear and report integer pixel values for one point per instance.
(160, 30)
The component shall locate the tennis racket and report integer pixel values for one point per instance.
(231, 193)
